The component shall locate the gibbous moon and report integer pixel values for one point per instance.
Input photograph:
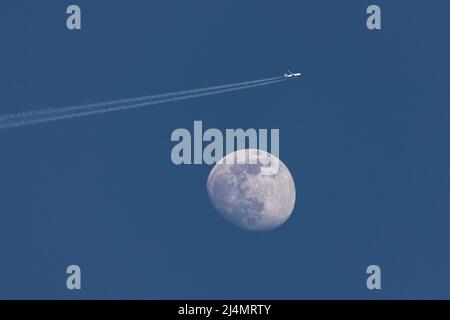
(253, 189)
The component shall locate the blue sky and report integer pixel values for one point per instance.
(365, 135)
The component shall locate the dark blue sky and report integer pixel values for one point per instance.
(365, 134)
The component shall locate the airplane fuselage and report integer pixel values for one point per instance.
(292, 75)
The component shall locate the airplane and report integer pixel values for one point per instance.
(290, 74)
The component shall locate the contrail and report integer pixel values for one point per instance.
(46, 115)
(130, 100)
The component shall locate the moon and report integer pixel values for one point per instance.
(252, 189)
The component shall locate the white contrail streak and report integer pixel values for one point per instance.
(28, 114)
(85, 110)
